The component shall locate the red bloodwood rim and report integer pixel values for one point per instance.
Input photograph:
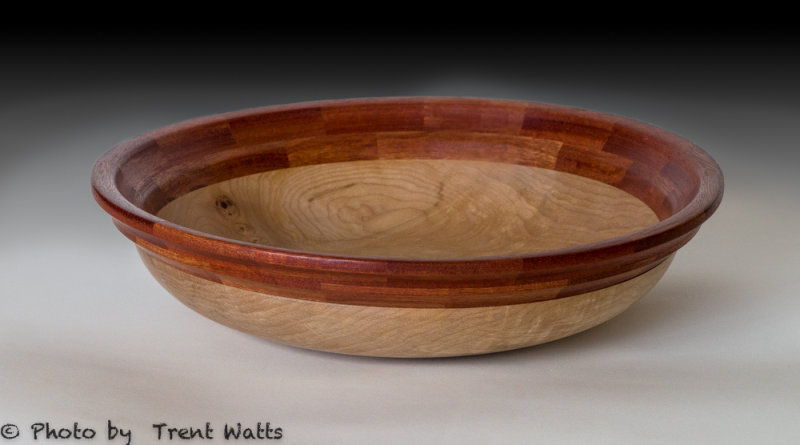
(682, 184)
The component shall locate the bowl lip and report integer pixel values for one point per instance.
(689, 218)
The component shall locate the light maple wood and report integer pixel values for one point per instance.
(400, 332)
(412, 209)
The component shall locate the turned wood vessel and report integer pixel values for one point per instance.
(408, 227)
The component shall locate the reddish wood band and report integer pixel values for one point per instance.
(675, 178)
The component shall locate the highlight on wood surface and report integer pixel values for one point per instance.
(371, 226)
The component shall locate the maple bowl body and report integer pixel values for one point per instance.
(408, 227)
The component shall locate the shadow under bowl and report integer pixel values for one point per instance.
(408, 227)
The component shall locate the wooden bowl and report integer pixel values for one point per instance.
(408, 227)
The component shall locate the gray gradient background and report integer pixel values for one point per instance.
(711, 355)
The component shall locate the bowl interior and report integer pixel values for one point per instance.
(412, 208)
(418, 178)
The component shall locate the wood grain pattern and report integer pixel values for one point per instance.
(410, 203)
(412, 209)
(400, 332)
